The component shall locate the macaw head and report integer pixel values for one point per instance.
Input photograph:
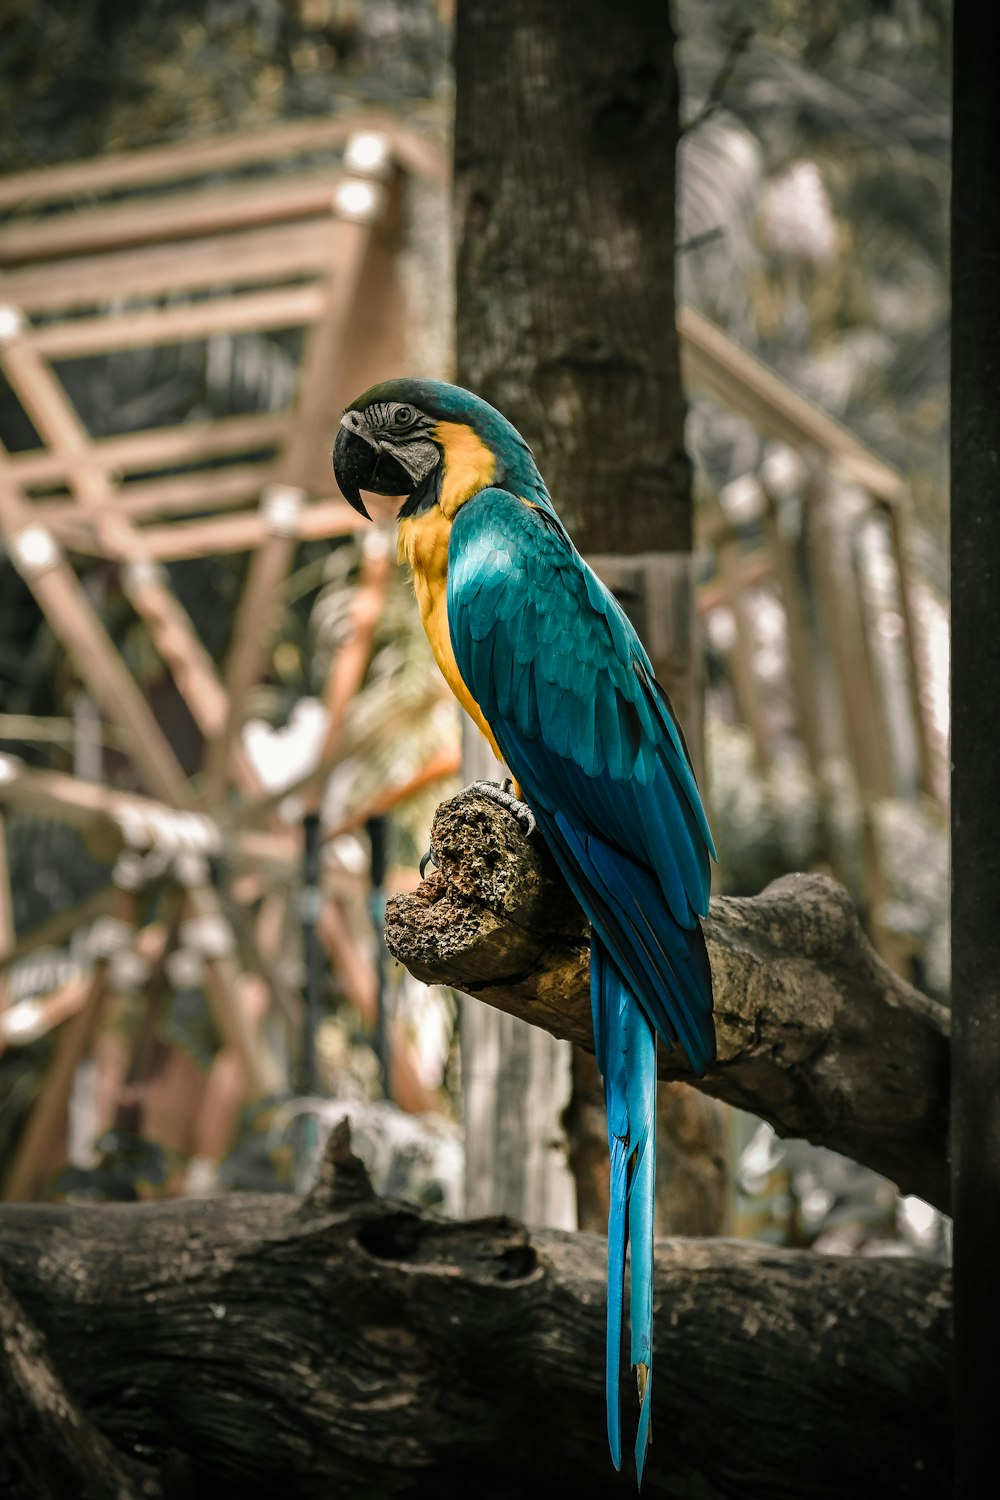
(434, 443)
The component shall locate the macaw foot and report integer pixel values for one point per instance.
(503, 792)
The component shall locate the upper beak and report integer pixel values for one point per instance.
(354, 459)
(360, 463)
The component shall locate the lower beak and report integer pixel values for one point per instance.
(358, 464)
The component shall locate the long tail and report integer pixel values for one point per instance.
(626, 1054)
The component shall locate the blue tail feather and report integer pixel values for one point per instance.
(627, 1056)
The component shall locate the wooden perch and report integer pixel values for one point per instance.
(344, 1344)
(815, 1033)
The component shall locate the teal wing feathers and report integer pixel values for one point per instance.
(569, 692)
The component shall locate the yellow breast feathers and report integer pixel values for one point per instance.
(468, 467)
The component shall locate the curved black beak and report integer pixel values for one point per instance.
(354, 460)
(358, 463)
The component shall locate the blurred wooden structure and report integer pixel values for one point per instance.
(303, 232)
(151, 248)
(828, 540)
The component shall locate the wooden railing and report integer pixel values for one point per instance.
(845, 639)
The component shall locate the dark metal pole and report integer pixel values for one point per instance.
(309, 912)
(378, 836)
(975, 554)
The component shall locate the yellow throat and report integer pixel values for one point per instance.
(468, 467)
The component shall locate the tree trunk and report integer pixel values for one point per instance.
(566, 132)
(345, 1345)
(815, 1032)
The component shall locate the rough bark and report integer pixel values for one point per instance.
(47, 1446)
(565, 137)
(346, 1345)
(815, 1033)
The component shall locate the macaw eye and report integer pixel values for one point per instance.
(403, 416)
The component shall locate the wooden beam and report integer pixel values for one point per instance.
(122, 818)
(740, 654)
(171, 630)
(287, 307)
(254, 622)
(261, 255)
(252, 629)
(350, 662)
(913, 650)
(318, 401)
(90, 648)
(709, 358)
(863, 741)
(159, 448)
(125, 169)
(180, 216)
(241, 533)
(211, 489)
(8, 934)
(786, 575)
(372, 344)
(234, 1028)
(869, 689)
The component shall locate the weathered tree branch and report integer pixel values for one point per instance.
(815, 1033)
(47, 1446)
(342, 1344)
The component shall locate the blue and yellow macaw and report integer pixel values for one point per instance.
(543, 658)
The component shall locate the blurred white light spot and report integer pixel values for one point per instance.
(33, 550)
(10, 322)
(816, 1204)
(356, 200)
(783, 469)
(742, 500)
(721, 627)
(346, 850)
(366, 152)
(22, 1023)
(281, 505)
(797, 218)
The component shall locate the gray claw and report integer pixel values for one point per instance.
(428, 859)
(504, 794)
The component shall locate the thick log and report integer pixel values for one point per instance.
(815, 1033)
(47, 1446)
(348, 1345)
